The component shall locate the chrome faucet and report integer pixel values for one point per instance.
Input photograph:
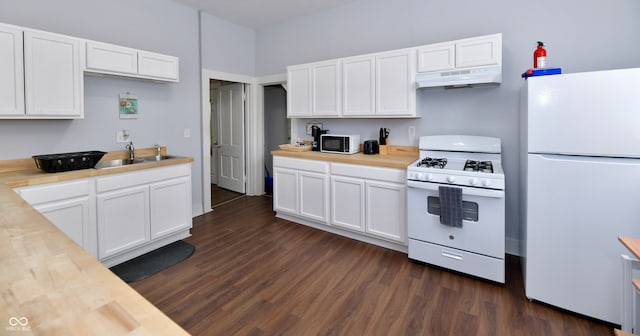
(131, 150)
(158, 151)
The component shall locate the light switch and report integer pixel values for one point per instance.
(187, 132)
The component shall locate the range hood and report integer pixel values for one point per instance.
(461, 77)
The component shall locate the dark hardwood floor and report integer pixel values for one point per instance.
(220, 196)
(254, 274)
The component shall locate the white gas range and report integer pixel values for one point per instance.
(458, 180)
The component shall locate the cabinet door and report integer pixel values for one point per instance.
(299, 91)
(285, 191)
(348, 203)
(358, 82)
(386, 208)
(436, 57)
(395, 83)
(53, 75)
(327, 89)
(71, 217)
(170, 206)
(485, 50)
(11, 70)
(123, 220)
(314, 196)
(111, 58)
(158, 66)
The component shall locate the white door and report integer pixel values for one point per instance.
(213, 142)
(231, 137)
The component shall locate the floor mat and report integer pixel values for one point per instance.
(153, 262)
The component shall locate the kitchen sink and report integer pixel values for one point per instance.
(127, 162)
(117, 163)
(158, 158)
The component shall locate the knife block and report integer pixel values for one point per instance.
(385, 149)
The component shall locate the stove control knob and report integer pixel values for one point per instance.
(450, 179)
(423, 177)
(473, 181)
(486, 183)
(412, 175)
(429, 177)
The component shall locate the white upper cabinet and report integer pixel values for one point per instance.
(395, 83)
(158, 66)
(359, 86)
(479, 51)
(315, 89)
(327, 89)
(299, 91)
(111, 59)
(40, 75)
(380, 85)
(53, 75)
(11, 72)
(437, 57)
(461, 54)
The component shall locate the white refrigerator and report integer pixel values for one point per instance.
(580, 187)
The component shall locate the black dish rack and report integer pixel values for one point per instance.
(54, 163)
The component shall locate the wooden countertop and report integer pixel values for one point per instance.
(400, 157)
(632, 244)
(49, 284)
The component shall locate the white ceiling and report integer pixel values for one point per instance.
(259, 14)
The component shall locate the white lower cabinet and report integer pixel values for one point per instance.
(359, 201)
(142, 210)
(120, 216)
(370, 199)
(123, 220)
(386, 210)
(170, 206)
(70, 206)
(347, 203)
(302, 189)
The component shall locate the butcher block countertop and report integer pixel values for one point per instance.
(49, 285)
(399, 157)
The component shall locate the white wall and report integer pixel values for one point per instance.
(580, 36)
(227, 47)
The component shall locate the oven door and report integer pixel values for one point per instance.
(482, 228)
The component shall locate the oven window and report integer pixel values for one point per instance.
(469, 209)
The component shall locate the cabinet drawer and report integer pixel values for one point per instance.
(301, 164)
(457, 260)
(146, 176)
(369, 173)
(54, 192)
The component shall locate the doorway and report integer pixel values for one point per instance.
(227, 141)
(277, 128)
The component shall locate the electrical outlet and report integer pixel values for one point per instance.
(312, 123)
(412, 134)
(122, 136)
(187, 133)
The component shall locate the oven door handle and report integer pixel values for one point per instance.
(465, 190)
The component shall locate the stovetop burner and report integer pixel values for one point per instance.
(479, 166)
(433, 162)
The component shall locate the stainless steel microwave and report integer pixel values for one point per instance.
(342, 144)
